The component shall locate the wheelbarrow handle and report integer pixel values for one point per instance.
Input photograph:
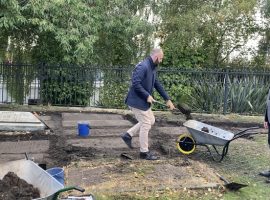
(79, 188)
(55, 196)
(251, 128)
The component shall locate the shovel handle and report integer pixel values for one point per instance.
(222, 178)
(162, 104)
(158, 102)
(187, 114)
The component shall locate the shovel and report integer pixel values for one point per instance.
(126, 156)
(231, 185)
(183, 110)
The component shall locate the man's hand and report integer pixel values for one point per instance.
(265, 124)
(170, 105)
(150, 99)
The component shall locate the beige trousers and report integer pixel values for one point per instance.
(145, 120)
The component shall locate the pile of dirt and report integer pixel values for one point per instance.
(12, 187)
(205, 129)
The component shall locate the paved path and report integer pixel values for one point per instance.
(19, 121)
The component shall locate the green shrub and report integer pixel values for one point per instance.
(63, 86)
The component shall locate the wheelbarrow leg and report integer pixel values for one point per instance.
(237, 135)
(221, 156)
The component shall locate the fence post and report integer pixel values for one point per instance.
(41, 79)
(226, 81)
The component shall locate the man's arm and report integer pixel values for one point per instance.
(137, 77)
(164, 94)
(161, 90)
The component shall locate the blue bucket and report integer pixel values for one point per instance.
(57, 173)
(83, 129)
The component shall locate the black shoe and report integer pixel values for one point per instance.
(148, 156)
(127, 139)
(267, 181)
(265, 173)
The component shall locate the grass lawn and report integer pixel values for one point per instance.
(245, 159)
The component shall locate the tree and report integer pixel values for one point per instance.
(62, 31)
(74, 31)
(77, 31)
(124, 33)
(205, 33)
(263, 55)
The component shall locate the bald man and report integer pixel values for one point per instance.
(139, 100)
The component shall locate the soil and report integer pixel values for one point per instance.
(95, 163)
(12, 187)
(24, 136)
(205, 129)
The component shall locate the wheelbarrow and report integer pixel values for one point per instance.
(48, 186)
(207, 135)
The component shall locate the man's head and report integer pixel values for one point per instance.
(157, 55)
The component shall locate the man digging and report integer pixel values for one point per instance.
(139, 100)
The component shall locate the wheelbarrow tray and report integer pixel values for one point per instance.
(33, 174)
(214, 136)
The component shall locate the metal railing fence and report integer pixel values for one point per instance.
(212, 91)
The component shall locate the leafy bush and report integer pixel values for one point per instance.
(176, 87)
(65, 86)
(114, 89)
(112, 95)
(18, 79)
(247, 97)
(207, 98)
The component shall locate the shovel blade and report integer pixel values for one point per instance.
(126, 156)
(235, 186)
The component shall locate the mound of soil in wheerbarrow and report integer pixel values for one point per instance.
(12, 188)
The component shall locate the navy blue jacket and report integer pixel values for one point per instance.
(143, 82)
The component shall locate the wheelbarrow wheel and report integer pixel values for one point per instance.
(186, 143)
